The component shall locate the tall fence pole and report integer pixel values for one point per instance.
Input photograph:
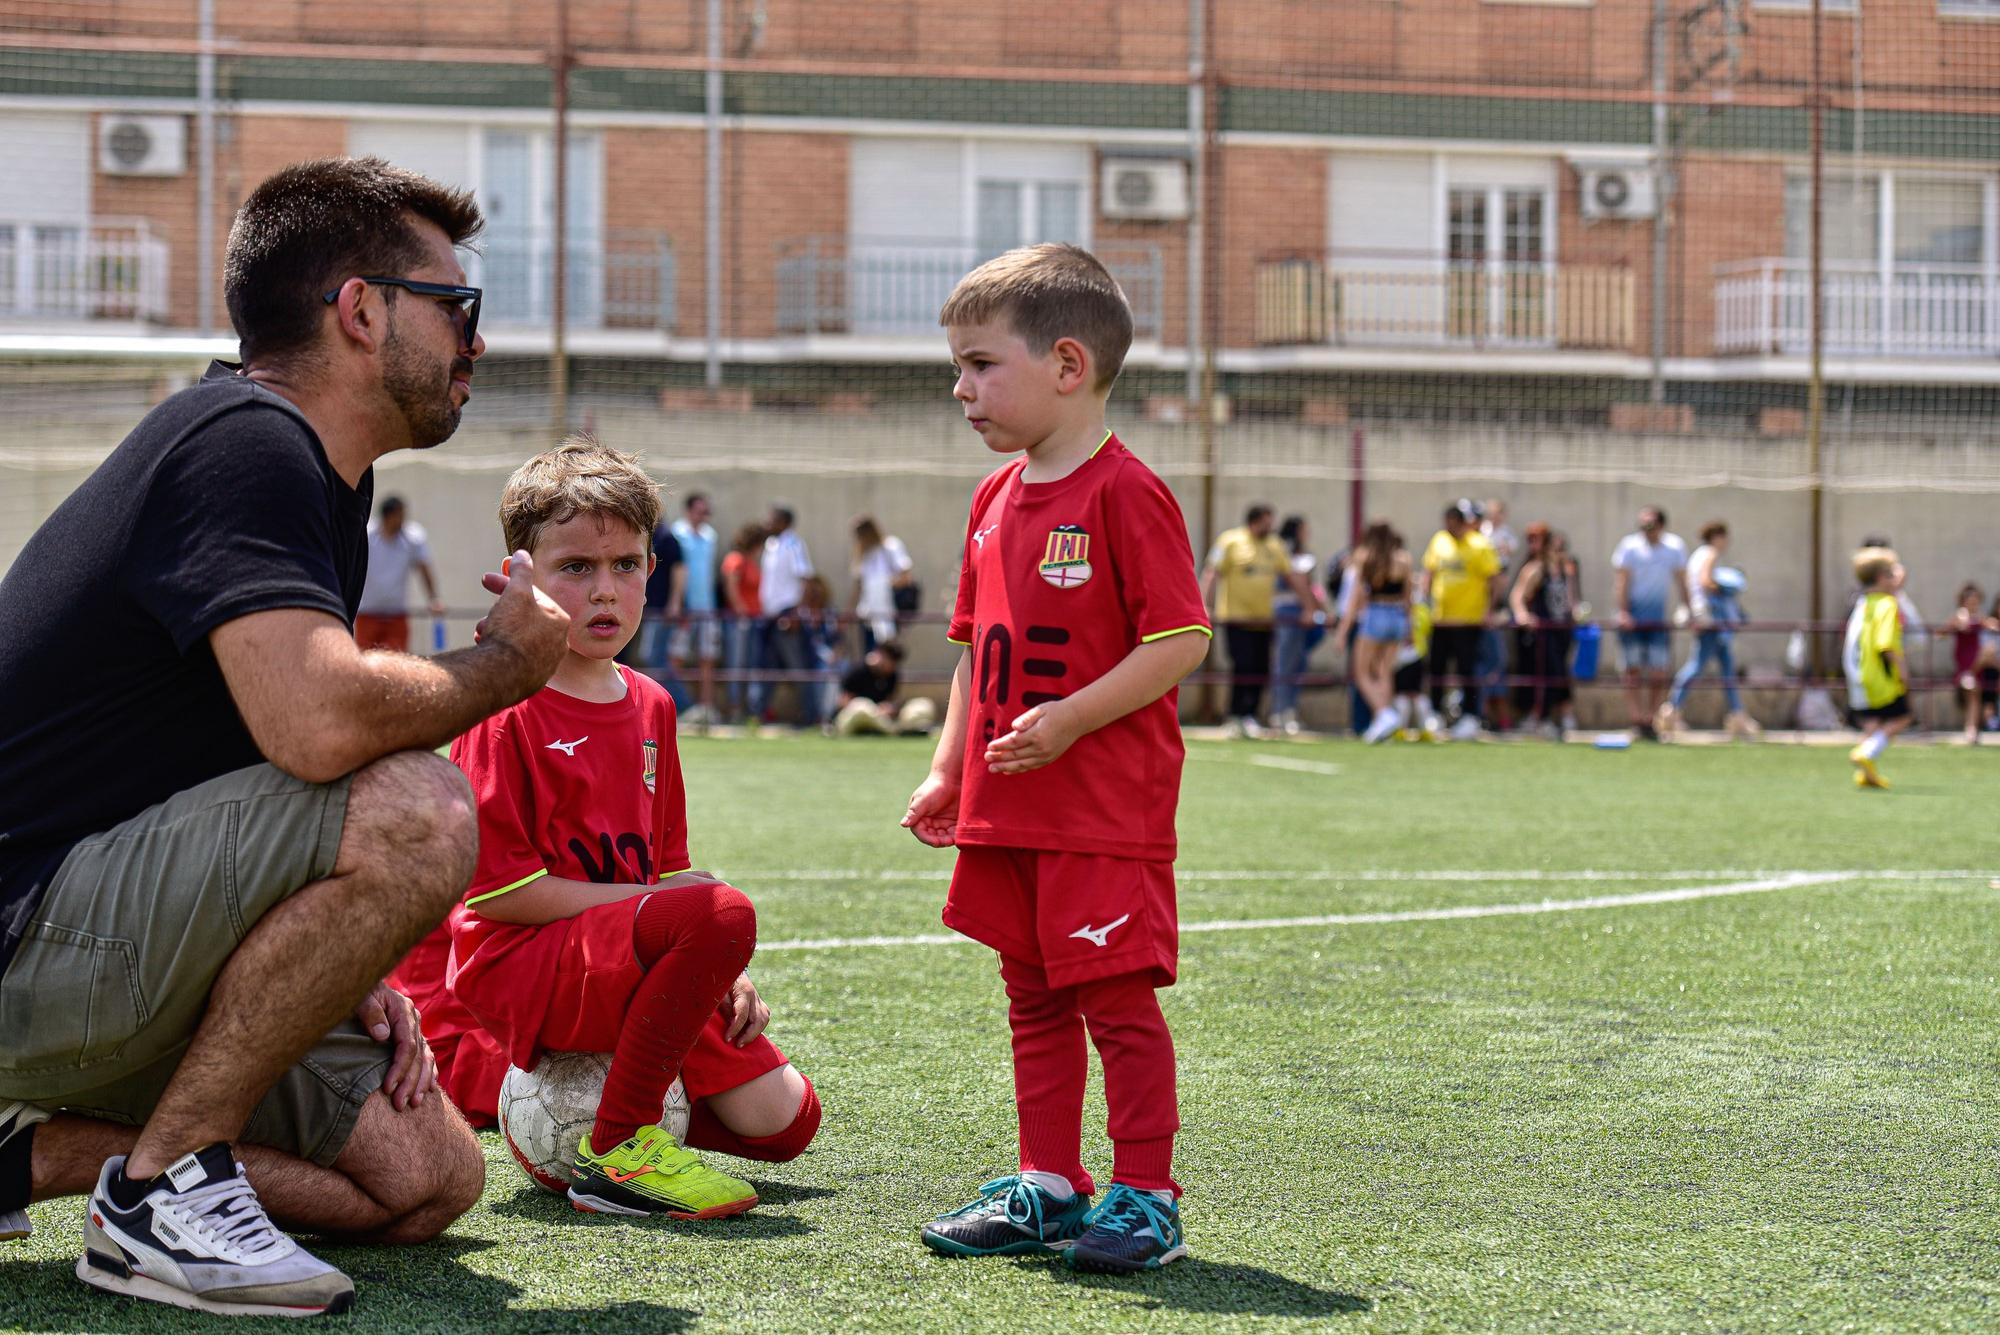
(204, 139)
(559, 277)
(1195, 220)
(712, 203)
(1816, 384)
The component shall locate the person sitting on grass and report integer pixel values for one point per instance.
(1872, 657)
(1058, 767)
(584, 928)
(868, 704)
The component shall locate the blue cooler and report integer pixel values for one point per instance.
(1589, 639)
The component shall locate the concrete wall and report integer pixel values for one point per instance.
(915, 473)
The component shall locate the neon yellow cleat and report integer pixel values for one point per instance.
(1865, 773)
(652, 1174)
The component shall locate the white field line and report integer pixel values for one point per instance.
(1415, 876)
(1271, 762)
(1761, 885)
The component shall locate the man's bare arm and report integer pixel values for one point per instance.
(319, 707)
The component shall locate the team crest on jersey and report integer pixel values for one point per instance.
(1066, 560)
(652, 750)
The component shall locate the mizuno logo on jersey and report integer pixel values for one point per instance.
(979, 535)
(1096, 935)
(567, 748)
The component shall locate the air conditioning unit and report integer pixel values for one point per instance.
(1148, 189)
(142, 145)
(1618, 192)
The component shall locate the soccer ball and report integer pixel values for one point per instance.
(546, 1111)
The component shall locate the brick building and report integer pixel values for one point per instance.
(1403, 199)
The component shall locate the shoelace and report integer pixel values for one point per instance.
(1125, 1209)
(1011, 1196)
(229, 1215)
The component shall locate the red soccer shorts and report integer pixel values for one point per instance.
(596, 976)
(1078, 916)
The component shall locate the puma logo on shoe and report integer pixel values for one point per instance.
(1096, 935)
(568, 748)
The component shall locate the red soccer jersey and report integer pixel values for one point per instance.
(1059, 582)
(569, 788)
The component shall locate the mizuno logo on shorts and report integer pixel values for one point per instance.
(1096, 935)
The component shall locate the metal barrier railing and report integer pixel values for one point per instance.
(1928, 650)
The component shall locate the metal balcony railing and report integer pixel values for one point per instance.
(107, 269)
(617, 279)
(1908, 310)
(853, 285)
(1430, 301)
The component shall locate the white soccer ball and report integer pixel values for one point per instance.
(546, 1111)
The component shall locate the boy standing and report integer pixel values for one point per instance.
(1059, 766)
(1872, 657)
(584, 929)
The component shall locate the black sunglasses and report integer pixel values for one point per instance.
(442, 292)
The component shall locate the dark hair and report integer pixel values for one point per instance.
(314, 225)
(748, 537)
(1256, 512)
(1876, 540)
(1289, 531)
(1713, 530)
(891, 650)
(1971, 590)
(391, 505)
(1656, 512)
(784, 512)
(692, 497)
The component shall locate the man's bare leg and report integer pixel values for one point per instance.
(402, 1177)
(406, 854)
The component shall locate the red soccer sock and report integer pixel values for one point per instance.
(693, 942)
(707, 1132)
(1050, 1065)
(1137, 1050)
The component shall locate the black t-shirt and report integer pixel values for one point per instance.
(661, 582)
(220, 503)
(864, 681)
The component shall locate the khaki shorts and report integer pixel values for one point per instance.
(113, 975)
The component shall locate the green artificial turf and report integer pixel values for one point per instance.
(1772, 1110)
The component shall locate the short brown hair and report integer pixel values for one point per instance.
(581, 476)
(1872, 565)
(1046, 292)
(1713, 530)
(314, 225)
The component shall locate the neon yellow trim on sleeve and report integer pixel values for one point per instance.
(669, 875)
(1178, 630)
(493, 894)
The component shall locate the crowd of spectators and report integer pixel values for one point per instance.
(1479, 630)
(736, 632)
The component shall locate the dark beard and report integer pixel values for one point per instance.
(422, 394)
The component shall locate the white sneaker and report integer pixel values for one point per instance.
(1466, 729)
(1383, 726)
(200, 1239)
(17, 1117)
(1250, 727)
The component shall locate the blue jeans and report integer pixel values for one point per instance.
(1710, 646)
(1288, 658)
(740, 654)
